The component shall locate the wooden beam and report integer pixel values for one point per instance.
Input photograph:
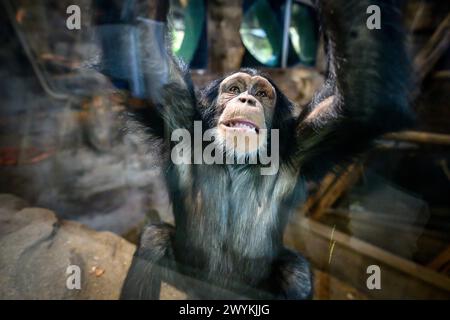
(382, 220)
(334, 189)
(442, 74)
(442, 262)
(327, 287)
(438, 44)
(314, 198)
(419, 137)
(411, 242)
(400, 278)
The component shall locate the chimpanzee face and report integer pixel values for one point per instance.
(246, 105)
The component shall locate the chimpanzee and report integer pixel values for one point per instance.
(230, 215)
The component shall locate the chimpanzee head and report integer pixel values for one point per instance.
(244, 107)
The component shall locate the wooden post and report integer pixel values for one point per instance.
(225, 50)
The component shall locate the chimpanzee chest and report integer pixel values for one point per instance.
(236, 213)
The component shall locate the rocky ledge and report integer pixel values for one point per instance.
(38, 253)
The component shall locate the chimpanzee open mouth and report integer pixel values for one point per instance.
(240, 124)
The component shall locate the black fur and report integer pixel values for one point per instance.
(229, 219)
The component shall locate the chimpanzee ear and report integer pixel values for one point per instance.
(324, 110)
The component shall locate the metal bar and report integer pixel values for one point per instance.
(287, 24)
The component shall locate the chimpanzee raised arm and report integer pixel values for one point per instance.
(367, 88)
(136, 57)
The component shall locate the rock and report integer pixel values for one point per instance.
(36, 248)
(10, 202)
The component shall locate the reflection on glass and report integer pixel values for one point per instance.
(186, 19)
(303, 33)
(261, 33)
(177, 10)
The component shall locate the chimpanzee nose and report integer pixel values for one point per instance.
(248, 99)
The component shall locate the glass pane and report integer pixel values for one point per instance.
(261, 33)
(177, 19)
(303, 33)
(186, 19)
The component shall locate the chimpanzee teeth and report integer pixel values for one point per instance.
(242, 125)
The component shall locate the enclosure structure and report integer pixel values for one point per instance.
(65, 145)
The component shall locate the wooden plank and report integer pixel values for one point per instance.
(438, 44)
(400, 278)
(314, 199)
(419, 137)
(411, 243)
(442, 261)
(327, 287)
(381, 220)
(442, 75)
(347, 179)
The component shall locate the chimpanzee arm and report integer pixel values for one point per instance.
(150, 265)
(135, 56)
(366, 91)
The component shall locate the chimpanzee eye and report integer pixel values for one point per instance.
(261, 94)
(235, 89)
